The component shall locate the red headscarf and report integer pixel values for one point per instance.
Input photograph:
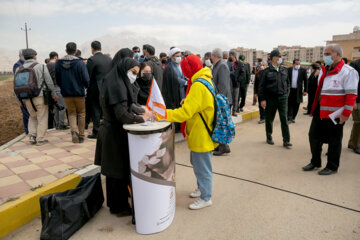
(189, 66)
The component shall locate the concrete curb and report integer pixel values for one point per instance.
(21, 211)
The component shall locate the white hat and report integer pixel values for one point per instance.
(173, 51)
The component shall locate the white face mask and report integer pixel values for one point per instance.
(297, 67)
(262, 67)
(178, 60)
(279, 61)
(208, 62)
(132, 77)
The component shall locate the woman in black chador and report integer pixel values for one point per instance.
(117, 95)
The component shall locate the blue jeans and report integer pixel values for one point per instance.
(25, 117)
(203, 172)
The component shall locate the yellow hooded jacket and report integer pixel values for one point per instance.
(198, 100)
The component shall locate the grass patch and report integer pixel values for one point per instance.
(37, 187)
(12, 199)
(5, 77)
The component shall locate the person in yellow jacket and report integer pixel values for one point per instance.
(198, 100)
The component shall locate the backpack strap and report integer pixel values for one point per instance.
(207, 127)
(33, 105)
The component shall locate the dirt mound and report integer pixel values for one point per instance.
(11, 124)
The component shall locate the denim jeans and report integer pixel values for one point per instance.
(203, 172)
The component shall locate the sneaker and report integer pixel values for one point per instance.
(75, 137)
(200, 203)
(195, 194)
(32, 139)
(81, 140)
(40, 143)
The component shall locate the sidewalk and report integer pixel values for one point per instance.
(25, 167)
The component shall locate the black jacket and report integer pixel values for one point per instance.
(170, 88)
(356, 65)
(302, 82)
(98, 66)
(274, 83)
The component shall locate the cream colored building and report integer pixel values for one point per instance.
(251, 54)
(350, 43)
(305, 54)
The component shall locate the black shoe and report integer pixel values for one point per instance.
(287, 145)
(81, 140)
(75, 137)
(292, 121)
(270, 141)
(357, 150)
(222, 150)
(305, 108)
(350, 147)
(92, 136)
(241, 109)
(326, 171)
(306, 113)
(62, 127)
(310, 167)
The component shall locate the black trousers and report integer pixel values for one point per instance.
(325, 131)
(117, 194)
(242, 96)
(293, 104)
(95, 113)
(88, 112)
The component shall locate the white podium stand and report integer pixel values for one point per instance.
(152, 163)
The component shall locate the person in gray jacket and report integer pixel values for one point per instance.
(221, 80)
(39, 112)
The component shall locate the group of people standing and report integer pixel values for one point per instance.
(117, 90)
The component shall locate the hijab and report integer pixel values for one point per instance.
(121, 54)
(144, 87)
(117, 87)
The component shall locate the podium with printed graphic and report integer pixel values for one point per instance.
(152, 166)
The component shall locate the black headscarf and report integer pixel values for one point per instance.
(121, 54)
(117, 87)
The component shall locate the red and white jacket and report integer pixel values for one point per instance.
(339, 89)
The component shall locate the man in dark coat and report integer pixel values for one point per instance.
(312, 86)
(221, 80)
(149, 52)
(244, 79)
(273, 95)
(298, 81)
(354, 142)
(98, 66)
(235, 71)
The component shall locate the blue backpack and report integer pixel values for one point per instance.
(223, 126)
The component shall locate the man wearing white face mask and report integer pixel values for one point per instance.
(273, 95)
(337, 90)
(298, 78)
(174, 81)
(207, 60)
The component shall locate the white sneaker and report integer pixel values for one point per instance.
(199, 203)
(195, 194)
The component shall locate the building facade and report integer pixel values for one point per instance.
(350, 43)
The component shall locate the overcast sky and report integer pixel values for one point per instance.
(262, 24)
